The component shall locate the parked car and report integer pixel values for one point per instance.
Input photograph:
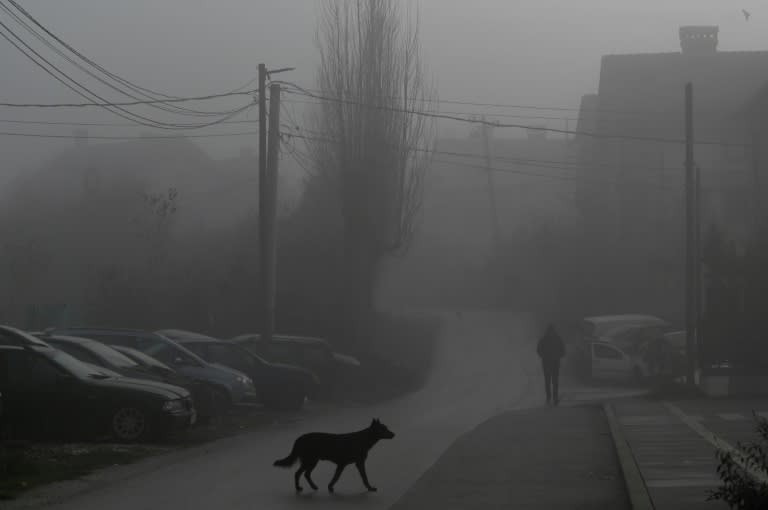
(48, 392)
(13, 336)
(229, 386)
(102, 355)
(314, 354)
(281, 386)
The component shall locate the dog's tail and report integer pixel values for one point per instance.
(289, 461)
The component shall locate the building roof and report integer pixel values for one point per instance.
(643, 94)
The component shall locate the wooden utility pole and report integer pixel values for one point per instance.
(268, 216)
(265, 321)
(690, 241)
(269, 155)
(496, 231)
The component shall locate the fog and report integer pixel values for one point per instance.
(459, 197)
(530, 52)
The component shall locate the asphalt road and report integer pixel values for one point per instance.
(485, 365)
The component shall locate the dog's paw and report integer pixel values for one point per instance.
(372, 489)
(330, 489)
(299, 490)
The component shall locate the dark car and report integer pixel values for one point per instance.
(48, 393)
(17, 337)
(280, 386)
(102, 355)
(230, 387)
(314, 354)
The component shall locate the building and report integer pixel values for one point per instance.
(640, 101)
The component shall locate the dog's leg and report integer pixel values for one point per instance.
(297, 477)
(361, 468)
(336, 475)
(308, 473)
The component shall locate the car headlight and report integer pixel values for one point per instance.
(172, 406)
(244, 380)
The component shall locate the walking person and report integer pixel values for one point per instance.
(551, 349)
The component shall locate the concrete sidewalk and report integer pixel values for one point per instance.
(543, 458)
(672, 452)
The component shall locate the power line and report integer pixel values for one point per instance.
(507, 105)
(142, 91)
(560, 164)
(143, 137)
(478, 114)
(128, 103)
(83, 91)
(507, 125)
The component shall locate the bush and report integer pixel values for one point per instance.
(739, 489)
(399, 359)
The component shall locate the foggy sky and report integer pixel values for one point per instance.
(533, 52)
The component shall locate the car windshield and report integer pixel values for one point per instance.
(142, 358)
(74, 366)
(112, 356)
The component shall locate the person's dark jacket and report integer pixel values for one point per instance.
(550, 346)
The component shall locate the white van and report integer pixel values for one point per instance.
(601, 326)
(610, 362)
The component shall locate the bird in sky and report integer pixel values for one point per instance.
(747, 14)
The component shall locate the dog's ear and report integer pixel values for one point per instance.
(373, 422)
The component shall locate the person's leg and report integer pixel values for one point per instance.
(556, 381)
(547, 380)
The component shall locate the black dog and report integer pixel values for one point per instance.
(341, 449)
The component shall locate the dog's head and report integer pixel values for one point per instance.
(379, 430)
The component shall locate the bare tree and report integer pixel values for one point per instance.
(373, 97)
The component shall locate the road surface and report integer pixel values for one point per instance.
(485, 364)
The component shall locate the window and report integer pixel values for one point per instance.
(315, 356)
(111, 356)
(199, 349)
(78, 352)
(231, 357)
(606, 352)
(27, 370)
(281, 352)
(6, 339)
(162, 352)
(127, 341)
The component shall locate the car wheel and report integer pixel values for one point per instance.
(130, 423)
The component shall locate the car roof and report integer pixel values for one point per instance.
(30, 339)
(101, 330)
(183, 336)
(602, 319)
(70, 339)
(4, 347)
(306, 340)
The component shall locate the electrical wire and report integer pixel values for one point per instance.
(143, 137)
(507, 105)
(302, 92)
(83, 91)
(142, 91)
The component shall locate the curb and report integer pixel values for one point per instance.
(639, 498)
